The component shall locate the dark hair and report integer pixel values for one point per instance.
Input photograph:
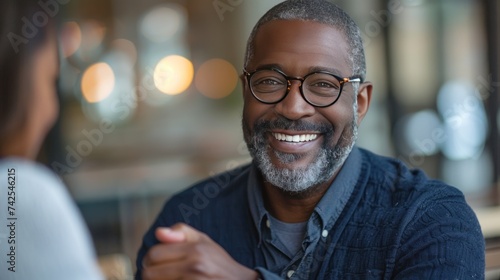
(318, 11)
(17, 47)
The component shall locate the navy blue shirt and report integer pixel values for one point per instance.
(378, 220)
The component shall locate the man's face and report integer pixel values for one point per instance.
(326, 134)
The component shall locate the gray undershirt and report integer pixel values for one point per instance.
(290, 235)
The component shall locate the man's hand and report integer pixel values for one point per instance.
(185, 253)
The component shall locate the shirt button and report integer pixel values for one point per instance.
(290, 273)
(324, 233)
(268, 224)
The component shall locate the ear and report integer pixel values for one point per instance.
(245, 91)
(243, 80)
(364, 97)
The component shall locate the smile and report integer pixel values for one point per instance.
(295, 138)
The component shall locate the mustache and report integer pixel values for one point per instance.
(297, 125)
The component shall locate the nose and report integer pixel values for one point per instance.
(294, 107)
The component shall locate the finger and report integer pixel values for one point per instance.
(191, 234)
(164, 253)
(167, 235)
(166, 271)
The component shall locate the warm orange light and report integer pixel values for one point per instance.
(173, 74)
(98, 82)
(216, 78)
(71, 38)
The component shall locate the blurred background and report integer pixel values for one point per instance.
(151, 100)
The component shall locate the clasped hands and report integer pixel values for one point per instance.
(185, 253)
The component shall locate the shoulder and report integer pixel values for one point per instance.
(208, 197)
(408, 196)
(49, 223)
(40, 194)
(28, 171)
(218, 186)
(395, 178)
(34, 180)
(425, 217)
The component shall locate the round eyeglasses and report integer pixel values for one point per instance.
(320, 88)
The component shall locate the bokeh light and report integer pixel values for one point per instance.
(71, 38)
(173, 74)
(420, 133)
(126, 48)
(465, 120)
(93, 33)
(163, 22)
(98, 81)
(216, 78)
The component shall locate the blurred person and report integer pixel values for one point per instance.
(312, 205)
(42, 234)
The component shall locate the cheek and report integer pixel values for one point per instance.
(53, 103)
(46, 90)
(340, 115)
(253, 110)
(46, 101)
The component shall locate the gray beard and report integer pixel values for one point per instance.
(299, 181)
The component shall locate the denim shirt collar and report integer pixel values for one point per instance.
(329, 207)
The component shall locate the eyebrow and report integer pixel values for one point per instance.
(271, 65)
(332, 70)
(327, 69)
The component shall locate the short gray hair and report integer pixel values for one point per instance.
(317, 11)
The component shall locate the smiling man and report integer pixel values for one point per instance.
(311, 205)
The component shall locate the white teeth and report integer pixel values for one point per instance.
(295, 138)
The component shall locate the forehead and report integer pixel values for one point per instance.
(297, 46)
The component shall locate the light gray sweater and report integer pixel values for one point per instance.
(42, 234)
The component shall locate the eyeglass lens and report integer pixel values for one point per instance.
(319, 88)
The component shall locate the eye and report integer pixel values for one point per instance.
(269, 81)
(324, 85)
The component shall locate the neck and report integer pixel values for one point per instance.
(18, 147)
(293, 207)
